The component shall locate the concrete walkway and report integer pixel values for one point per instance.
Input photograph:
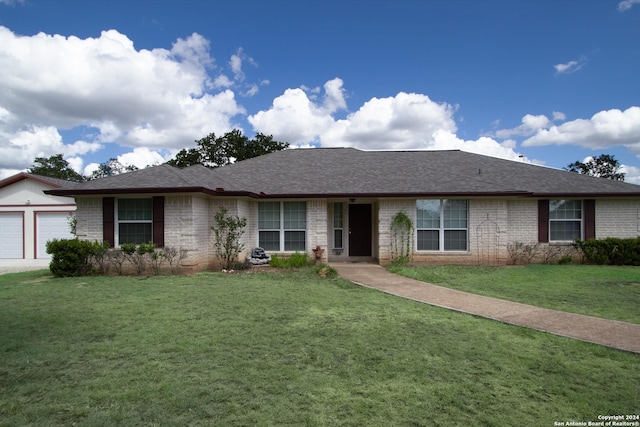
(610, 333)
(19, 265)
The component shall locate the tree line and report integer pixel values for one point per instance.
(210, 151)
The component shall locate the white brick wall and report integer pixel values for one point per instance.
(493, 223)
(522, 223)
(387, 209)
(89, 216)
(617, 218)
(317, 227)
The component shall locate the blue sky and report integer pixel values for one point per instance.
(541, 81)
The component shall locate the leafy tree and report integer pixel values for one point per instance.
(111, 167)
(233, 146)
(603, 166)
(55, 167)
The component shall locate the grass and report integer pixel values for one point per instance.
(602, 291)
(283, 349)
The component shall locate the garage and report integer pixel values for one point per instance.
(11, 235)
(49, 226)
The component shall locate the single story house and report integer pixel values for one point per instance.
(29, 217)
(465, 208)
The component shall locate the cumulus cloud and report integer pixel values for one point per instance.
(530, 125)
(23, 146)
(158, 98)
(407, 121)
(604, 129)
(295, 118)
(625, 5)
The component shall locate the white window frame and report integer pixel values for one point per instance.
(579, 221)
(441, 228)
(338, 224)
(282, 230)
(118, 221)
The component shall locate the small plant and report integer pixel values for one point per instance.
(100, 256)
(174, 257)
(325, 271)
(297, 260)
(565, 259)
(227, 233)
(401, 238)
(137, 255)
(157, 259)
(117, 258)
(73, 223)
(520, 252)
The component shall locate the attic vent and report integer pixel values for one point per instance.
(219, 189)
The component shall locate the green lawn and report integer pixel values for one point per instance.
(602, 291)
(283, 349)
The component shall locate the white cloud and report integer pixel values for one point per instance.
(22, 147)
(632, 174)
(141, 157)
(407, 121)
(627, 4)
(559, 116)
(295, 118)
(530, 125)
(138, 98)
(571, 66)
(605, 129)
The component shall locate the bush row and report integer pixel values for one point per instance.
(75, 257)
(610, 251)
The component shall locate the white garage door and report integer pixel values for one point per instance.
(49, 226)
(11, 235)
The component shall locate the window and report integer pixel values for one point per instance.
(442, 225)
(282, 226)
(338, 225)
(134, 219)
(565, 220)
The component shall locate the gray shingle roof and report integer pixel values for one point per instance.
(344, 172)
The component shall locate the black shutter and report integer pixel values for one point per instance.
(108, 220)
(158, 221)
(543, 221)
(589, 206)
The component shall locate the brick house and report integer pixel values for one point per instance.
(465, 208)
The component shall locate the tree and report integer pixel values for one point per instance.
(111, 167)
(55, 167)
(603, 166)
(212, 151)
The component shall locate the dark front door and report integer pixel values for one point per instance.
(359, 230)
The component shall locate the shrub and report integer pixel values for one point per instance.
(70, 257)
(174, 257)
(100, 256)
(137, 254)
(326, 271)
(227, 233)
(520, 252)
(610, 251)
(297, 260)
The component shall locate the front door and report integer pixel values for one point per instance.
(359, 230)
